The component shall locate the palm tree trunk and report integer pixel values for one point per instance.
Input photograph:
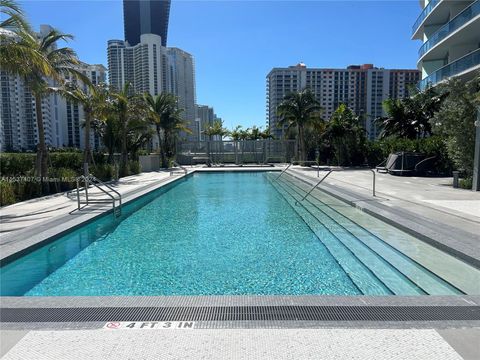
(124, 157)
(41, 167)
(163, 149)
(160, 151)
(301, 143)
(87, 151)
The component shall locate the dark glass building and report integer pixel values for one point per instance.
(145, 17)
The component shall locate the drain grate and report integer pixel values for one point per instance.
(233, 313)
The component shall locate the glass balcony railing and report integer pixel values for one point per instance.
(427, 10)
(457, 67)
(457, 22)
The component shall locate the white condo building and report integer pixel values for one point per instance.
(62, 120)
(152, 68)
(450, 35)
(363, 88)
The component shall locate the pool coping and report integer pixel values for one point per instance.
(243, 311)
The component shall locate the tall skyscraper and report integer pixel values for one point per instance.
(205, 116)
(145, 17)
(143, 65)
(362, 88)
(152, 68)
(181, 70)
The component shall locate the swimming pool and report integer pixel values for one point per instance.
(235, 233)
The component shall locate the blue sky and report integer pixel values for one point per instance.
(236, 43)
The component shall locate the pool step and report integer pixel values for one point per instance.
(387, 274)
(360, 274)
(414, 271)
(459, 274)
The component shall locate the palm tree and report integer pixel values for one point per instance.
(126, 108)
(410, 117)
(299, 110)
(397, 121)
(266, 134)
(346, 136)
(60, 63)
(236, 135)
(13, 17)
(164, 114)
(216, 129)
(94, 100)
(18, 45)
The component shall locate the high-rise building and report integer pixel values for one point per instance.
(62, 120)
(142, 65)
(362, 88)
(73, 114)
(205, 116)
(145, 17)
(181, 75)
(450, 32)
(152, 68)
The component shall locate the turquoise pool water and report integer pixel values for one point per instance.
(226, 233)
(223, 234)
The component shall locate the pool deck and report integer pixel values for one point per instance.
(427, 205)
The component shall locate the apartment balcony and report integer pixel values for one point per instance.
(449, 33)
(423, 15)
(463, 66)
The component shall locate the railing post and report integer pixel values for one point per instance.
(86, 188)
(373, 183)
(78, 193)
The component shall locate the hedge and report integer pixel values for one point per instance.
(63, 166)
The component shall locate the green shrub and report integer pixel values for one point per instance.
(67, 160)
(66, 179)
(104, 172)
(377, 151)
(27, 190)
(466, 183)
(7, 193)
(16, 164)
(134, 167)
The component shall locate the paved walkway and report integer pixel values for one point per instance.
(222, 344)
(20, 216)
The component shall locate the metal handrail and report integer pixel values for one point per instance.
(90, 179)
(318, 183)
(180, 166)
(303, 162)
(329, 172)
(288, 167)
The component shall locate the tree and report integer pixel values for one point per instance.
(61, 63)
(164, 114)
(299, 110)
(266, 134)
(18, 50)
(94, 100)
(346, 136)
(216, 129)
(126, 108)
(455, 120)
(409, 118)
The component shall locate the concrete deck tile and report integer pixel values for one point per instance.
(275, 344)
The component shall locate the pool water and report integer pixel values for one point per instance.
(219, 234)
